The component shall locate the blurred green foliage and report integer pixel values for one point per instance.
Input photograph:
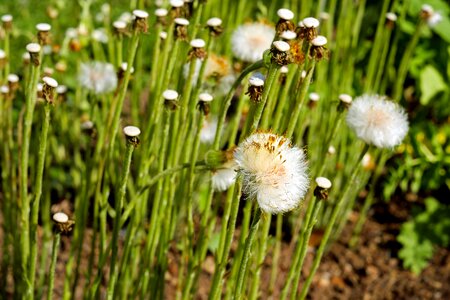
(430, 226)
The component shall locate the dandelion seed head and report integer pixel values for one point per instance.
(50, 82)
(223, 177)
(120, 25)
(205, 97)
(61, 89)
(314, 97)
(98, 77)
(161, 12)
(281, 46)
(7, 18)
(140, 14)
(378, 121)
(181, 21)
(170, 95)
(257, 79)
(208, 131)
(3, 54)
(345, 98)
(13, 78)
(324, 15)
(323, 182)
(288, 35)
(311, 22)
(197, 43)
(60, 217)
(44, 27)
(176, 3)
(33, 48)
(100, 35)
(391, 16)
(163, 35)
(214, 22)
(249, 41)
(319, 41)
(285, 14)
(274, 172)
(131, 131)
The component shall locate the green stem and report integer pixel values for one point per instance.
(51, 277)
(246, 255)
(38, 192)
(349, 184)
(118, 210)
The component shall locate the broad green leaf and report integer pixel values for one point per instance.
(431, 83)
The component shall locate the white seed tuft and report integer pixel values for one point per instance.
(214, 22)
(161, 12)
(176, 3)
(205, 97)
(311, 22)
(120, 24)
(281, 46)
(197, 43)
(50, 81)
(323, 182)
(131, 131)
(249, 41)
(13, 78)
(285, 14)
(391, 16)
(44, 27)
(140, 14)
(319, 41)
(33, 48)
(288, 35)
(347, 99)
(170, 95)
(181, 21)
(60, 217)
(4, 89)
(3, 54)
(7, 18)
(314, 97)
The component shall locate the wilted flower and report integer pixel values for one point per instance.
(377, 121)
(98, 77)
(274, 172)
(249, 41)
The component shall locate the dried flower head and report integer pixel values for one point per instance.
(378, 121)
(98, 77)
(249, 41)
(274, 172)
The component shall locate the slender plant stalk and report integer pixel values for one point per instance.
(118, 210)
(246, 255)
(51, 276)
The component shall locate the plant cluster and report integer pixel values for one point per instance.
(167, 131)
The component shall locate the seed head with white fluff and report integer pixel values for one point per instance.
(377, 121)
(98, 77)
(274, 172)
(249, 41)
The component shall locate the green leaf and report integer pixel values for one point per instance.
(431, 83)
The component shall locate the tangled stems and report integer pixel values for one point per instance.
(330, 225)
(118, 210)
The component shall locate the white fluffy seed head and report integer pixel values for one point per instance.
(176, 3)
(285, 14)
(60, 217)
(323, 182)
(274, 172)
(163, 35)
(87, 125)
(249, 41)
(161, 12)
(205, 97)
(44, 27)
(324, 15)
(181, 21)
(319, 41)
(4, 89)
(7, 18)
(170, 95)
(33, 48)
(98, 77)
(311, 22)
(391, 16)
(50, 82)
(131, 131)
(13, 78)
(281, 46)
(256, 81)
(288, 35)
(377, 121)
(223, 177)
(61, 89)
(314, 97)
(119, 25)
(284, 69)
(197, 43)
(208, 131)
(345, 98)
(140, 14)
(331, 150)
(3, 54)
(214, 22)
